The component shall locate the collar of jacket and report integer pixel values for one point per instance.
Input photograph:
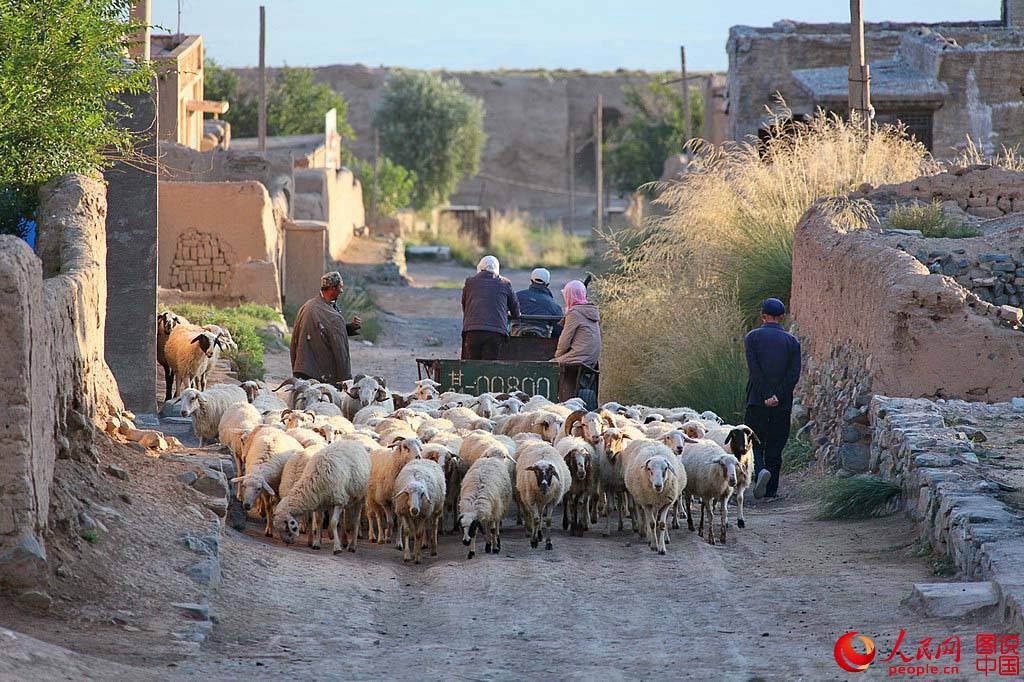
(773, 325)
(541, 289)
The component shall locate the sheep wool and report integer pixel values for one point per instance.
(655, 479)
(485, 497)
(207, 407)
(419, 502)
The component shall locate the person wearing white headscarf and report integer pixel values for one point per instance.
(487, 304)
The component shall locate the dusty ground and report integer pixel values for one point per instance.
(768, 605)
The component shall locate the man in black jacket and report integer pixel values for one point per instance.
(487, 304)
(538, 300)
(773, 363)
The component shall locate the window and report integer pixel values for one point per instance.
(917, 122)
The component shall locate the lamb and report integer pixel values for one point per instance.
(426, 389)
(419, 502)
(466, 419)
(262, 399)
(610, 474)
(579, 457)
(260, 484)
(485, 497)
(165, 324)
(336, 477)
(207, 407)
(237, 420)
(710, 475)
(386, 465)
(188, 351)
(542, 480)
(655, 479)
(739, 441)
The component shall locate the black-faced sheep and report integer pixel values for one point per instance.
(485, 497)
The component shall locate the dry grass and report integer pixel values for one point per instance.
(684, 288)
(930, 220)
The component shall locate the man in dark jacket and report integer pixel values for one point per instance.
(319, 347)
(538, 300)
(773, 363)
(487, 303)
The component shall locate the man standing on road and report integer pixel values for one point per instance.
(538, 300)
(773, 363)
(319, 347)
(487, 303)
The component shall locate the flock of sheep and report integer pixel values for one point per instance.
(314, 456)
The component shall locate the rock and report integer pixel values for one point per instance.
(218, 505)
(117, 472)
(208, 545)
(128, 414)
(1010, 313)
(112, 425)
(173, 442)
(211, 482)
(126, 427)
(188, 477)
(804, 434)
(853, 433)
(86, 523)
(954, 600)
(23, 564)
(799, 416)
(993, 258)
(172, 408)
(206, 572)
(138, 447)
(34, 599)
(904, 233)
(854, 457)
(196, 611)
(147, 438)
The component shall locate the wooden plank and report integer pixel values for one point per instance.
(207, 106)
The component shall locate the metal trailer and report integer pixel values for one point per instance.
(524, 364)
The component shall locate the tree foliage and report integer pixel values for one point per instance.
(394, 185)
(432, 127)
(654, 129)
(60, 65)
(295, 103)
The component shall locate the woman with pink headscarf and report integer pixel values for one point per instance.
(580, 342)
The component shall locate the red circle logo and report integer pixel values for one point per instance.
(851, 660)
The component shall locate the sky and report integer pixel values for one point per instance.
(594, 35)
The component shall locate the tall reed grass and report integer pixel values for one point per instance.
(685, 287)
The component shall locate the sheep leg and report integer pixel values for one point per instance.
(472, 545)
(740, 494)
(403, 532)
(566, 506)
(675, 514)
(332, 526)
(689, 516)
(711, 519)
(268, 518)
(651, 529)
(314, 530)
(547, 527)
(496, 547)
(533, 527)
(436, 526)
(607, 524)
(418, 539)
(618, 503)
(358, 511)
(663, 528)
(725, 518)
(703, 506)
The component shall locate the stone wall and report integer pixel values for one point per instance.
(931, 450)
(57, 385)
(220, 239)
(872, 319)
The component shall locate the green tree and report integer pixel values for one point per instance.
(394, 185)
(432, 127)
(60, 66)
(654, 129)
(222, 84)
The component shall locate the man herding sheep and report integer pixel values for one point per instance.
(320, 337)
(773, 360)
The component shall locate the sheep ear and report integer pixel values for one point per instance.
(268, 489)
(357, 378)
(380, 380)
(238, 479)
(688, 439)
(729, 438)
(753, 437)
(554, 473)
(532, 467)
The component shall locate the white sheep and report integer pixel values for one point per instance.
(236, 421)
(655, 479)
(485, 496)
(336, 477)
(207, 407)
(544, 423)
(419, 501)
(364, 392)
(386, 464)
(580, 458)
(710, 475)
(738, 441)
(261, 485)
(261, 398)
(165, 324)
(610, 475)
(188, 351)
(542, 480)
(466, 419)
(264, 442)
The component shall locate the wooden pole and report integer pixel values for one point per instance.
(686, 93)
(376, 171)
(598, 162)
(263, 80)
(572, 180)
(859, 72)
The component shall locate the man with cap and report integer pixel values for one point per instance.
(538, 300)
(773, 363)
(319, 347)
(487, 304)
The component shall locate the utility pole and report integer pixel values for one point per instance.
(376, 171)
(572, 180)
(263, 80)
(686, 93)
(598, 161)
(859, 71)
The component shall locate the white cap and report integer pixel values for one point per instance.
(489, 264)
(540, 275)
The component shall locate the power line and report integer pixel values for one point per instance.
(528, 185)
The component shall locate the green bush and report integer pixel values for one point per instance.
(930, 220)
(394, 185)
(356, 300)
(858, 497)
(244, 322)
(797, 455)
(61, 64)
(430, 126)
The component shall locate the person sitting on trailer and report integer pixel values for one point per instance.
(487, 304)
(580, 340)
(538, 300)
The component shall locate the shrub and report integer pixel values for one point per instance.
(858, 497)
(796, 455)
(60, 65)
(696, 274)
(432, 127)
(394, 185)
(930, 220)
(244, 322)
(356, 300)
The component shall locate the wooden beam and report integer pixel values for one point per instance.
(859, 72)
(262, 121)
(598, 162)
(207, 106)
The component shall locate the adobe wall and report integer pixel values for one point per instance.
(334, 197)
(57, 386)
(305, 259)
(220, 239)
(876, 314)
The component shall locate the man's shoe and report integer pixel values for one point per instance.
(761, 485)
